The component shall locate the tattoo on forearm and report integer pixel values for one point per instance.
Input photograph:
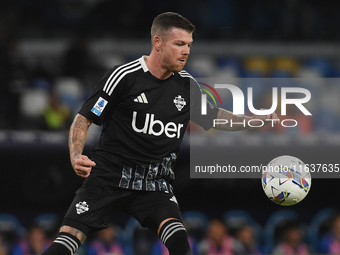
(78, 135)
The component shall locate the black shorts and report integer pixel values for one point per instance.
(92, 203)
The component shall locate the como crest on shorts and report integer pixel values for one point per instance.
(82, 207)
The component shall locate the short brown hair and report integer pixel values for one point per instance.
(168, 20)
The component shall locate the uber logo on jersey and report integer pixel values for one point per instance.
(99, 106)
(170, 129)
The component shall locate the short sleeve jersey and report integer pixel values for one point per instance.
(143, 123)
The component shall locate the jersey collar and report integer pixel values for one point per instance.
(146, 69)
(142, 62)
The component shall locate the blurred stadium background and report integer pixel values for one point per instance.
(53, 52)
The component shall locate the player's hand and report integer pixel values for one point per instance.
(83, 166)
(269, 118)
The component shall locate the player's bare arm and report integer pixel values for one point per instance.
(81, 164)
(227, 115)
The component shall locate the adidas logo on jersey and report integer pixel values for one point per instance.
(174, 199)
(141, 99)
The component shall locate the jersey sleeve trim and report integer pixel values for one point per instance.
(119, 73)
(184, 73)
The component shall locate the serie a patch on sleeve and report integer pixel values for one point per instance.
(99, 106)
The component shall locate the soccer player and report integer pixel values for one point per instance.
(144, 107)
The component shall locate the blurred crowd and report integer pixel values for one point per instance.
(44, 93)
(284, 233)
(215, 19)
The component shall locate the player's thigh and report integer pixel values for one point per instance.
(154, 208)
(90, 206)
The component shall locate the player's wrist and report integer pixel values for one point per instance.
(74, 158)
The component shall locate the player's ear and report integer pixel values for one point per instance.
(157, 42)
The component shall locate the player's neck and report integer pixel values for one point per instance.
(154, 65)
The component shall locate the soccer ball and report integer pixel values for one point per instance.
(286, 180)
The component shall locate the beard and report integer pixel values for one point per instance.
(171, 66)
